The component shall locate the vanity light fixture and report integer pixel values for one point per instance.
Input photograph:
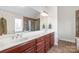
(43, 26)
(21, 6)
(50, 26)
(44, 13)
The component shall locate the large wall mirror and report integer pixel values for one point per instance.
(19, 25)
(23, 19)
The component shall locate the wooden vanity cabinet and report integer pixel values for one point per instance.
(44, 43)
(47, 42)
(30, 47)
(38, 45)
(21, 48)
(52, 40)
(30, 50)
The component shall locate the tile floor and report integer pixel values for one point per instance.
(63, 47)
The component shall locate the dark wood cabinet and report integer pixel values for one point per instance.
(47, 47)
(30, 50)
(29, 47)
(24, 47)
(39, 45)
(47, 42)
(52, 39)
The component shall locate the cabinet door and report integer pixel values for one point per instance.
(52, 39)
(41, 50)
(47, 42)
(30, 47)
(40, 39)
(47, 47)
(40, 46)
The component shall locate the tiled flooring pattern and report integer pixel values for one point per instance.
(63, 47)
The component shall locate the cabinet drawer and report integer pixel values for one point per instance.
(52, 42)
(47, 47)
(16, 49)
(29, 44)
(48, 35)
(39, 39)
(40, 45)
(30, 50)
(42, 50)
(52, 39)
(48, 40)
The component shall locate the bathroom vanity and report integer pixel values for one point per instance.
(31, 43)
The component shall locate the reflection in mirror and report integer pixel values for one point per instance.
(3, 26)
(30, 24)
(18, 25)
(19, 21)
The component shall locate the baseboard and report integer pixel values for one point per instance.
(69, 40)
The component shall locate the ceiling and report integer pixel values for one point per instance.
(29, 11)
(39, 8)
(24, 11)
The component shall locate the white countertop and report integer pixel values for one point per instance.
(9, 41)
